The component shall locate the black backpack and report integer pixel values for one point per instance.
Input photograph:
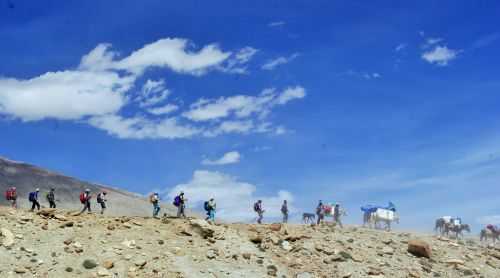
(206, 206)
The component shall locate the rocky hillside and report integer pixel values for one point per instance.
(27, 177)
(57, 244)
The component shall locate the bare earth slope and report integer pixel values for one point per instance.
(27, 177)
(57, 244)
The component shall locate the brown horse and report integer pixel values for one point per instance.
(489, 233)
(456, 229)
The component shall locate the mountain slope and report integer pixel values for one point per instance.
(27, 177)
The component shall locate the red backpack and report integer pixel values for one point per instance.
(10, 194)
(82, 198)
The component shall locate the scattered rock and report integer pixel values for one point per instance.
(419, 248)
(304, 275)
(8, 239)
(202, 227)
(108, 264)
(89, 264)
(211, 254)
(276, 227)
(272, 270)
(140, 263)
(20, 270)
(47, 212)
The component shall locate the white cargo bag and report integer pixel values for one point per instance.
(385, 214)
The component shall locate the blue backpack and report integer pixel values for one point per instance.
(177, 201)
(32, 196)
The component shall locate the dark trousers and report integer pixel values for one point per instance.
(52, 204)
(86, 206)
(34, 204)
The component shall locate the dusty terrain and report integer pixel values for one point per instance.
(57, 244)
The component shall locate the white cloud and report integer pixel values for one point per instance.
(227, 158)
(489, 219)
(440, 55)
(143, 128)
(99, 90)
(237, 62)
(242, 106)
(234, 198)
(276, 24)
(65, 95)
(175, 55)
(291, 94)
(152, 93)
(166, 109)
(239, 127)
(272, 64)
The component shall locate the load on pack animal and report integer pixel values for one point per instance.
(374, 215)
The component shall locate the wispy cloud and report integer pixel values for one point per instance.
(242, 106)
(228, 158)
(272, 64)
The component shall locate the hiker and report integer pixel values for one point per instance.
(11, 195)
(180, 203)
(320, 212)
(337, 213)
(85, 200)
(33, 198)
(284, 211)
(51, 198)
(210, 207)
(155, 200)
(257, 207)
(101, 199)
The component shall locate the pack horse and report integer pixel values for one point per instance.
(374, 216)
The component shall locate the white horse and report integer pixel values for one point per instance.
(373, 219)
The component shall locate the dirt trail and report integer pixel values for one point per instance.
(57, 244)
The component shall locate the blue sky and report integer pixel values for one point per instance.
(337, 100)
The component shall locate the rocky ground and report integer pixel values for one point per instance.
(58, 244)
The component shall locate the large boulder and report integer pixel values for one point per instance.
(47, 212)
(419, 248)
(202, 227)
(8, 238)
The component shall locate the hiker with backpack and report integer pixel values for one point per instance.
(257, 207)
(320, 212)
(210, 207)
(33, 198)
(284, 211)
(11, 196)
(85, 200)
(51, 198)
(180, 203)
(155, 200)
(101, 199)
(337, 214)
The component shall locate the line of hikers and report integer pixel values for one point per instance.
(33, 198)
(179, 202)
